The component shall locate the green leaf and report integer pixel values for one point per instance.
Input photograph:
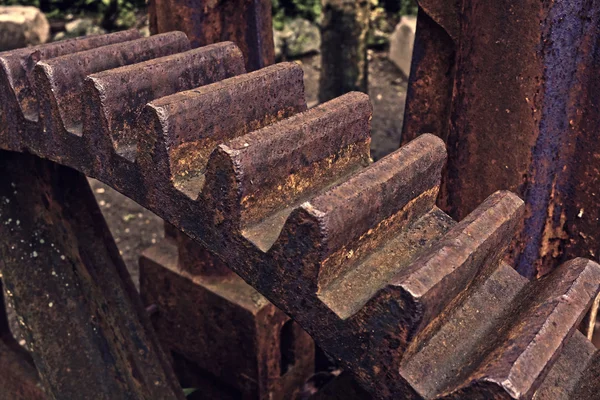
(189, 391)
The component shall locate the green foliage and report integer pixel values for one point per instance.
(288, 9)
(399, 7)
(278, 15)
(189, 391)
(59, 8)
(408, 7)
(125, 15)
(311, 9)
(307, 9)
(20, 3)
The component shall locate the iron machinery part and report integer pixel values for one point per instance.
(512, 88)
(225, 339)
(411, 302)
(247, 23)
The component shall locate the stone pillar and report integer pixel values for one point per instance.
(344, 65)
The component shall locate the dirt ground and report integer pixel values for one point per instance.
(135, 228)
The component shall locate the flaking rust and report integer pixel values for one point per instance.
(358, 254)
(512, 88)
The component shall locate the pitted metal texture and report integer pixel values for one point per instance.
(412, 303)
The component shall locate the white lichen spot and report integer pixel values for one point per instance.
(62, 257)
(7, 201)
(34, 254)
(42, 241)
(22, 342)
(580, 213)
(54, 273)
(50, 304)
(18, 222)
(13, 185)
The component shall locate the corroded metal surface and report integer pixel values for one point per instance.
(75, 303)
(215, 324)
(247, 23)
(431, 81)
(18, 377)
(512, 88)
(342, 387)
(17, 72)
(356, 253)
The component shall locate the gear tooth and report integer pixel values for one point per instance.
(376, 204)
(346, 224)
(357, 253)
(425, 283)
(541, 324)
(120, 94)
(303, 155)
(470, 249)
(19, 100)
(220, 191)
(369, 198)
(568, 374)
(60, 83)
(182, 130)
(115, 99)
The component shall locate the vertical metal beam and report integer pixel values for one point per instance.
(247, 23)
(18, 376)
(524, 114)
(79, 313)
(431, 80)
